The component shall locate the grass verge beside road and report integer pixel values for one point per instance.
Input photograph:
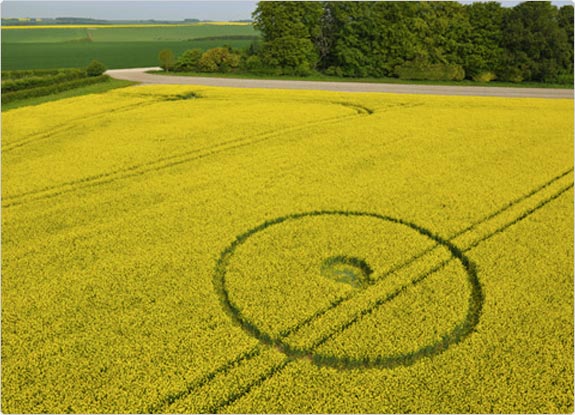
(326, 78)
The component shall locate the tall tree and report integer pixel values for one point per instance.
(443, 31)
(485, 52)
(289, 30)
(370, 38)
(535, 46)
(430, 40)
(565, 20)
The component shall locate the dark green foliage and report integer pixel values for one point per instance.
(437, 40)
(536, 48)
(95, 68)
(289, 30)
(485, 50)
(565, 19)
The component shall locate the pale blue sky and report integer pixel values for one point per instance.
(159, 10)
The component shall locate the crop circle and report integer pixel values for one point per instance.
(356, 272)
(351, 270)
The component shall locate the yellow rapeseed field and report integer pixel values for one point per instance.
(183, 249)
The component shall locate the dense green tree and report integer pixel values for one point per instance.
(442, 30)
(289, 30)
(535, 46)
(565, 20)
(368, 38)
(351, 46)
(484, 55)
(425, 40)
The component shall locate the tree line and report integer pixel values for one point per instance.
(532, 41)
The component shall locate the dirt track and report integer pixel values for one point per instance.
(140, 75)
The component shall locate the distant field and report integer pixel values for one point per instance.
(128, 25)
(181, 249)
(117, 47)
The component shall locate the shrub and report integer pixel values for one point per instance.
(303, 69)
(95, 68)
(219, 60)
(188, 61)
(167, 59)
(254, 63)
(564, 79)
(415, 70)
(334, 71)
(486, 76)
(511, 74)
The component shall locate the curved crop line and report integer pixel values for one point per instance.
(76, 122)
(360, 109)
(330, 264)
(67, 127)
(410, 358)
(285, 333)
(159, 164)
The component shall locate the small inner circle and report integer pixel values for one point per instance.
(347, 269)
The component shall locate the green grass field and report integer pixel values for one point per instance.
(115, 47)
(186, 249)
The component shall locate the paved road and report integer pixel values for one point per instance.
(140, 75)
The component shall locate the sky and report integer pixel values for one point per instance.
(144, 10)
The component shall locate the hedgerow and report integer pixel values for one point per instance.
(34, 81)
(52, 88)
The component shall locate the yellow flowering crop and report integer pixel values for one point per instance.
(187, 249)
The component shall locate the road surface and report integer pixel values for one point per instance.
(140, 75)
